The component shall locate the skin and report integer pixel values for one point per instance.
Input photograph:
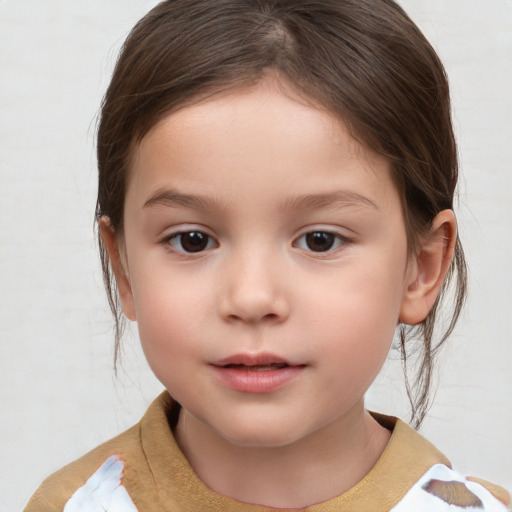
(269, 169)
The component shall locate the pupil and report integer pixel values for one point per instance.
(194, 241)
(319, 241)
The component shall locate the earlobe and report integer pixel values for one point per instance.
(112, 244)
(428, 268)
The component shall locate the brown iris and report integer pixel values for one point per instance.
(320, 241)
(193, 241)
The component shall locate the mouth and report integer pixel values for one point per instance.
(255, 362)
(260, 373)
(257, 367)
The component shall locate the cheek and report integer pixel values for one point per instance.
(355, 348)
(360, 335)
(170, 313)
(356, 316)
(360, 298)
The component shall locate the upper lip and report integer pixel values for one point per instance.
(252, 360)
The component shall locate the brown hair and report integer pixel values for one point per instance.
(363, 60)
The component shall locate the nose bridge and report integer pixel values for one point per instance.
(253, 288)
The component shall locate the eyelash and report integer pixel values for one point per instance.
(336, 239)
(169, 241)
(205, 242)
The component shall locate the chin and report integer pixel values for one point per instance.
(266, 435)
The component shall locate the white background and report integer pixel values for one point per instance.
(58, 395)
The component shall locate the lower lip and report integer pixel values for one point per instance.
(257, 381)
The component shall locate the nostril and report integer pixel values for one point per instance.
(269, 317)
(253, 305)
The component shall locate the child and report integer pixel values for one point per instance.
(276, 183)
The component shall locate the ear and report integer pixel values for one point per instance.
(119, 266)
(428, 267)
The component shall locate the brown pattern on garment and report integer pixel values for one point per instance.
(453, 493)
(498, 492)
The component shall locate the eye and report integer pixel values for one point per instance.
(320, 241)
(190, 241)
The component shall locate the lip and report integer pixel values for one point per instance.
(256, 373)
(246, 359)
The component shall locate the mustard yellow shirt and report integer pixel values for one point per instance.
(143, 470)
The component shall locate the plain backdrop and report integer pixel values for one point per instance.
(58, 394)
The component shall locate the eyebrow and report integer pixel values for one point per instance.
(173, 198)
(336, 199)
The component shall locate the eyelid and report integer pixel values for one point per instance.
(342, 240)
(177, 231)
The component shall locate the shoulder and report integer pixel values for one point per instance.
(499, 492)
(117, 469)
(419, 477)
(442, 489)
(57, 489)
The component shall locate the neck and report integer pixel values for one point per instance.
(314, 469)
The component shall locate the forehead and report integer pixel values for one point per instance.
(241, 103)
(248, 136)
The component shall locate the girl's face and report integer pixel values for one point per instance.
(266, 264)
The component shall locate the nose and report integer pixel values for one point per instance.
(253, 290)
